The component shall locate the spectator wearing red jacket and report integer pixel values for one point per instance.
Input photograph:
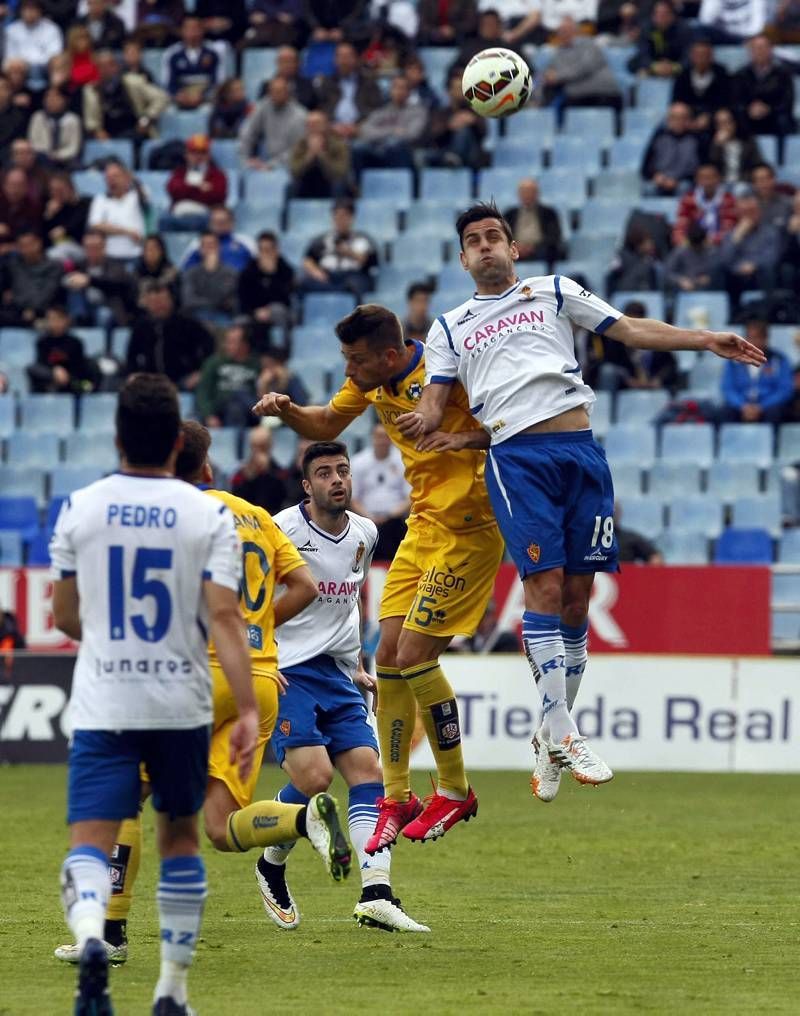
(710, 204)
(195, 188)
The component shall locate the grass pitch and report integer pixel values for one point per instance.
(658, 893)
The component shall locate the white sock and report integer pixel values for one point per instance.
(181, 897)
(544, 647)
(575, 658)
(361, 817)
(85, 888)
(451, 795)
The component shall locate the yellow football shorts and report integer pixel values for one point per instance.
(219, 764)
(441, 580)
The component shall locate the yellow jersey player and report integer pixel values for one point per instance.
(441, 578)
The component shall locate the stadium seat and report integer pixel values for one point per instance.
(308, 340)
(452, 185)
(433, 218)
(453, 276)
(702, 513)
(627, 153)
(89, 183)
(590, 245)
(789, 547)
(667, 208)
(652, 299)
(524, 154)
(604, 216)
(596, 123)
(788, 443)
(179, 125)
(7, 415)
(785, 338)
(398, 277)
(576, 153)
(378, 219)
(533, 121)
(761, 511)
(32, 448)
(314, 376)
(65, 479)
(499, 184)
(702, 310)
(688, 442)
(99, 452)
(155, 182)
(729, 480)
(600, 418)
(408, 251)
(683, 547)
(667, 477)
(769, 146)
(47, 414)
(627, 480)
(786, 627)
(641, 406)
(733, 58)
(393, 185)
(564, 187)
(258, 66)
(308, 215)
(225, 451)
(176, 245)
(746, 442)
(587, 271)
(93, 339)
(705, 375)
(617, 184)
(120, 337)
(532, 269)
(118, 149)
(326, 308)
(19, 514)
(23, 481)
(17, 346)
(284, 444)
(17, 378)
(631, 444)
(743, 546)
(54, 509)
(437, 60)
(642, 515)
(653, 93)
(786, 590)
(225, 152)
(39, 549)
(10, 550)
(252, 219)
(640, 120)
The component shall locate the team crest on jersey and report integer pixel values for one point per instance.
(414, 391)
(534, 552)
(359, 556)
(526, 293)
(286, 727)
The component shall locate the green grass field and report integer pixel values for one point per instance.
(654, 894)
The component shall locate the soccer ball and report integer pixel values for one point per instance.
(496, 82)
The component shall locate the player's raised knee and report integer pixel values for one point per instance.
(314, 780)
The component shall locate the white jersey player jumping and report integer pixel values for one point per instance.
(322, 719)
(511, 347)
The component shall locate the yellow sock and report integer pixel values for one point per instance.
(263, 824)
(124, 865)
(396, 714)
(437, 702)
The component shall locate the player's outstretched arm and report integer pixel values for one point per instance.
(647, 333)
(319, 423)
(300, 590)
(429, 413)
(228, 631)
(66, 607)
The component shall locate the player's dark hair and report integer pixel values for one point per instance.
(482, 210)
(378, 326)
(319, 450)
(192, 457)
(148, 419)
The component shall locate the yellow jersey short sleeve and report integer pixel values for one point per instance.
(349, 401)
(267, 557)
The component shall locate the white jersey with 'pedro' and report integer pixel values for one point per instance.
(515, 353)
(140, 549)
(331, 624)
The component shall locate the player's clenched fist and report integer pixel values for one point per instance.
(272, 404)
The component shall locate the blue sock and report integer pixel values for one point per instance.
(279, 852)
(544, 647)
(362, 814)
(575, 658)
(85, 888)
(181, 897)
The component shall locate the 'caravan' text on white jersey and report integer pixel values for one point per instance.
(339, 564)
(141, 548)
(515, 353)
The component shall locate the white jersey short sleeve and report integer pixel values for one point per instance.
(514, 353)
(140, 549)
(331, 624)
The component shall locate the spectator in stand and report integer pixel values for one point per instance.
(334, 20)
(265, 291)
(673, 154)
(455, 133)
(208, 289)
(418, 319)
(236, 249)
(194, 187)
(154, 266)
(259, 480)
(132, 57)
(100, 290)
(764, 91)
(636, 265)
(119, 214)
(388, 136)
(34, 39)
(24, 157)
(223, 20)
(535, 226)
(29, 282)
(633, 547)
(230, 110)
(349, 95)
(22, 98)
(13, 120)
(758, 396)
(730, 22)
(421, 92)
(381, 493)
(273, 129)
(320, 162)
(775, 207)
(54, 132)
(158, 22)
(191, 68)
(65, 216)
(19, 212)
(790, 265)
(59, 76)
(446, 22)
(540, 24)
(287, 66)
(106, 29)
(61, 364)
(489, 34)
(710, 203)
(694, 265)
(662, 45)
(704, 86)
(342, 258)
(785, 27)
(276, 376)
(277, 23)
(121, 105)
(164, 341)
(228, 383)
(734, 154)
(578, 73)
(751, 251)
(83, 70)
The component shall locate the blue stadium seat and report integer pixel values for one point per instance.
(452, 276)
(667, 208)
(17, 346)
(533, 122)
(789, 547)
(437, 60)
(54, 509)
(23, 480)
(596, 124)
(433, 217)
(768, 144)
(378, 219)
(591, 245)
(789, 443)
(120, 149)
(564, 187)
(604, 216)
(65, 479)
(284, 444)
(617, 184)
(706, 375)
(653, 93)
(308, 217)
(743, 546)
(631, 444)
(585, 270)
(702, 310)
(601, 414)
(391, 296)
(627, 153)
(97, 412)
(532, 269)
(315, 376)
(782, 338)
(791, 150)
(641, 406)
(643, 515)
(452, 185)
(683, 547)
(225, 152)
(640, 120)
(252, 219)
(761, 511)
(267, 189)
(702, 513)
(89, 182)
(32, 448)
(576, 153)
(176, 244)
(786, 627)
(155, 182)
(7, 415)
(524, 154)
(225, 448)
(627, 480)
(688, 442)
(746, 442)
(393, 185)
(668, 477)
(19, 514)
(186, 403)
(499, 183)
(258, 66)
(151, 61)
(93, 339)
(10, 550)
(17, 378)
(652, 299)
(47, 414)
(409, 251)
(39, 549)
(729, 480)
(120, 337)
(398, 277)
(178, 125)
(731, 57)
(326, 308)
(99, 452)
